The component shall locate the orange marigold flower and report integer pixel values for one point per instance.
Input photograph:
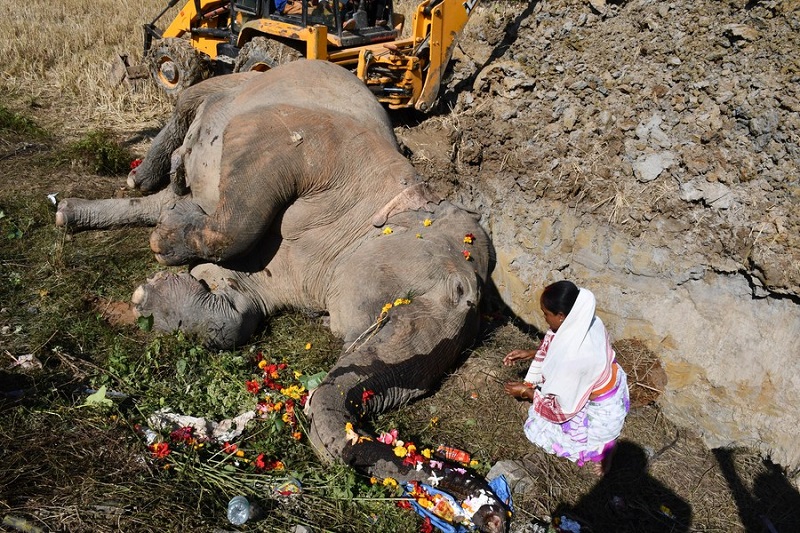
(386, 308)
(373, 480)
(159, 449)
(297, 435)
(469, 238)
(308, 346)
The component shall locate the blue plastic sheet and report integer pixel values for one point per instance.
(499, 486)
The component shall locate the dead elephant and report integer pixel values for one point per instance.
(287, 189)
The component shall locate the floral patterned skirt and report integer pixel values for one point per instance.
(591, 433)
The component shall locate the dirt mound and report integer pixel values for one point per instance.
(635, 112)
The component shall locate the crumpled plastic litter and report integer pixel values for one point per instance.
(224, 430)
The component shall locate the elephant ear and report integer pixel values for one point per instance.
(409, 199)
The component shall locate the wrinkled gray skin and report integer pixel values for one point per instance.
(276, 189)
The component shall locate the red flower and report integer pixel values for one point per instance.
(229, 448)
(303, 399)
(426, 526)
(184, 434)
(252, 386)
(366, 395)
(135, 163)
(159, 449)
(467, 255)
(404, 504)
(259, 462)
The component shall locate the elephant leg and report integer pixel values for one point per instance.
(80, 214)
(155, 169)
(211, 302)
(260, 172)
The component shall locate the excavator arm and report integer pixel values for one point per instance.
(436, 26)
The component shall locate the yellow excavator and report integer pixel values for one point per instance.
(214, 37)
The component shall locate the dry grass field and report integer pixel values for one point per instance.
(69, 465)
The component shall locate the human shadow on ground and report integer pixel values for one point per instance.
(773, 506)
(629, 499)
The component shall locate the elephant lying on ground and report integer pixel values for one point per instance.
(287, 189)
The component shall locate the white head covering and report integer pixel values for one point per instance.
(578, 355)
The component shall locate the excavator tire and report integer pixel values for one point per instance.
(262, 54)
(176, 65)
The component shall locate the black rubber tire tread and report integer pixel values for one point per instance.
(191, 66)
(263, 53)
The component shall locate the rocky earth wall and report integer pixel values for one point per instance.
(650, 151)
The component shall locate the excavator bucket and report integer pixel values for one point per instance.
(121, 71)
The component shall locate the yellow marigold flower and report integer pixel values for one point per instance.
(400, 451)
(402, 301)
(419, 235)
(239, 453)
(373, 480)
(286, 418)
(425, 502)
(473, 463)
(411, 448)
(427, 222)
(469, 238)
(297, 374)
(279, 465)
(348, 427)
(261, 364)
(387, 230)
(426, 453)
(308, 346)
(294, 391)
(277, 406)
(390, 482)
(386, 308)
(434, 420)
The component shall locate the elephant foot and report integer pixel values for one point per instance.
(73, 213)
(181, 302)
(177, 239)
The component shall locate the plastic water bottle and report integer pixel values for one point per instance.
(239, 510)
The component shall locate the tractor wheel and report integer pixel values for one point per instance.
(262, 54)
(176, 65)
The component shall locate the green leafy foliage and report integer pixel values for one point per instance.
(103, 153)
(19, 124)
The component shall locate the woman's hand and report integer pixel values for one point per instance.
(518, 355)
(519, 389)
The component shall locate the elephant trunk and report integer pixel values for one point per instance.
(374, 378)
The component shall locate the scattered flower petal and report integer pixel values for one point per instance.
(387, 230)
